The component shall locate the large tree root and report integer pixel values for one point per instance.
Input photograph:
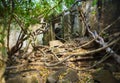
(83, 54)
(101, 41)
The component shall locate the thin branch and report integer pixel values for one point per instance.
(15, 67)
(19, 36)
(19, 22)
(4, 3)
(102, 60)
(54, 55)
(110, 25)
(8, 31)
(88, 43)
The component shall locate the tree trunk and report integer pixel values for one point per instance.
(2, 70)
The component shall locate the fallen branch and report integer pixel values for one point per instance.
(88, 43)
(100, 40)
(102, 60)
(54, 55)
(110, 25)
(16, 67)
(82, 54)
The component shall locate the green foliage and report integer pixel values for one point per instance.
(94, 2)
(3, 50)
(29, 12)
(68, 3)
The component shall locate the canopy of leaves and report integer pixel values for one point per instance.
(31, 10)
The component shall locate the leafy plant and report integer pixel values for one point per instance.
(94, 2)
(29, 12)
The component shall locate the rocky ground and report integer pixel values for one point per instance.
(49, 64)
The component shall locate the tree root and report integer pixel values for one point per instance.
(82, 54)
